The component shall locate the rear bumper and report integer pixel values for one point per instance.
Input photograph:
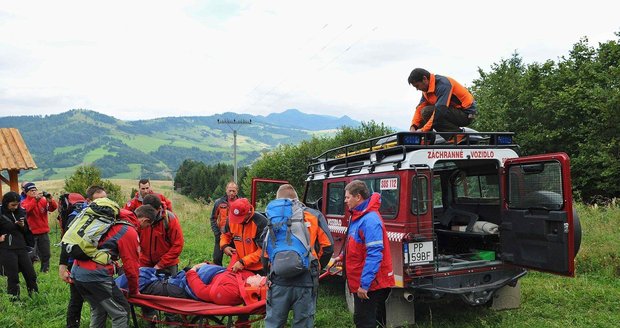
(474, 288)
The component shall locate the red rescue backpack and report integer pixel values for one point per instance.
(67, 203)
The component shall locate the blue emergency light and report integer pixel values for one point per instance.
(412, 139)
(504, 140)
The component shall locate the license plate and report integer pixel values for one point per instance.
(418, 253)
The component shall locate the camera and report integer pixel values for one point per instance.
(46, 194)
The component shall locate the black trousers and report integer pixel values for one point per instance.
(42, 250)
(74, 308)
(218, 255)
(446, 119)
(14, 262)
(370, 313)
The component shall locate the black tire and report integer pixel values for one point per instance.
(576, 230)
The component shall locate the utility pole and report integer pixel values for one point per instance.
(232, 123)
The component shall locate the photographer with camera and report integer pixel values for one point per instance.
(37, 205)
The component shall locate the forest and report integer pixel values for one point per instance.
(571, 105)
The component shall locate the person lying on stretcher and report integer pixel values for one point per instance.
(204, 282)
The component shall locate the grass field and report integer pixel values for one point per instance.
(592, 299)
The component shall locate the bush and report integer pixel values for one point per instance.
(88, 175)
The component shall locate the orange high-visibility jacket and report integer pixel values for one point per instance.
(442, 91)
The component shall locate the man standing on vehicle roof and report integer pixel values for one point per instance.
(446, 105)
(144, 188)
(219, 216)
(368, 262)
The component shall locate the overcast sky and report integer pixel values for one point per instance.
(146, 59)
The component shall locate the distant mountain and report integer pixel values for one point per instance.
(155, 148)
(295, 119)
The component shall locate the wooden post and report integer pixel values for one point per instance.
(14, 180)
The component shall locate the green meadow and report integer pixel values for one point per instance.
(591, 299)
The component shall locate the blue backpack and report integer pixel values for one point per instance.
(287, 240)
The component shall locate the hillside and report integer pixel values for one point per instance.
(155, 148)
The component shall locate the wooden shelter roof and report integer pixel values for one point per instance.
(14, 154)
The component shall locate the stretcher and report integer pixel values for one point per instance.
(192, 313)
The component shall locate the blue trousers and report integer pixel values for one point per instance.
(282, 299)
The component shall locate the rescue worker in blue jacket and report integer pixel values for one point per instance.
(368, 262)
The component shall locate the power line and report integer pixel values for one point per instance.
(334, 59)
(230, 123)
(325, 46)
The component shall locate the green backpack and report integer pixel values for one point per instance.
(81, 241)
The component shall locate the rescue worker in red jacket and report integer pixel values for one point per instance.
(144, 188)
(95, 281)
(244, 229)
(219, 215)
(161, 238)
(37, 206)
(445, 106)
(224, 287)
(368, 262)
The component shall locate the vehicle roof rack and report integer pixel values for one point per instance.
(349, 157)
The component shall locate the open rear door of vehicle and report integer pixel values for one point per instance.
(537, 220)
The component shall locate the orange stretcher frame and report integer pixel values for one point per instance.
(194, 313)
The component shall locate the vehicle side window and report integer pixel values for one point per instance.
(389, 188)
(419, 194)
(314, 194)
(335, 201)
(536, 185)
(477, 188)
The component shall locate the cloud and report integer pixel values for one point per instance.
(140, 59)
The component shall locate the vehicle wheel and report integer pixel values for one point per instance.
(576, 230)
(348, 296)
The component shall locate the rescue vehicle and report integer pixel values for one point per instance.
(466, 219)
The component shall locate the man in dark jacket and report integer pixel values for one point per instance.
(219, 216)
(15, 239)
(368, 263)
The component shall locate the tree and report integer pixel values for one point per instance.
(207, 182)
(290, 162)
(571, 106)
(88, 175)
